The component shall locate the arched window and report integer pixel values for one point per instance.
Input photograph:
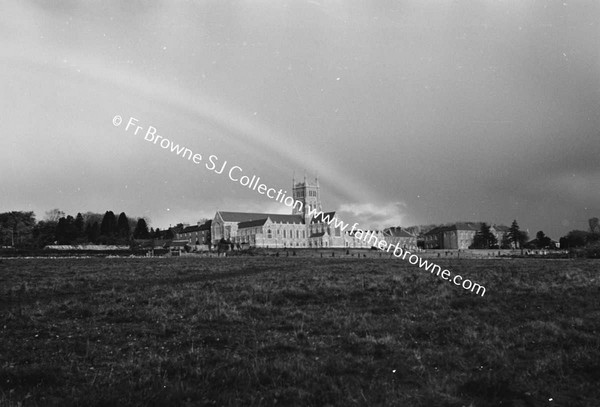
(269, 234)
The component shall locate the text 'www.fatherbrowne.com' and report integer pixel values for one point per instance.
(236, 174)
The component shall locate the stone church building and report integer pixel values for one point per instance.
(299, 229)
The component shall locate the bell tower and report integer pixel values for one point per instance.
(309, 194)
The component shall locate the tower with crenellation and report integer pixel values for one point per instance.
(308, 193)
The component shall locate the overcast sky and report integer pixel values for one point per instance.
(410, 112)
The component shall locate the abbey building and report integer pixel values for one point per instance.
(307, 226)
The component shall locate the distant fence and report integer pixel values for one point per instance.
(93, 247)
(7, 253)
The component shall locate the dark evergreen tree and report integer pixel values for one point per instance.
(60, 232)
(94, 233)
(516, 236)
(141, 230)
(505, 242)
(78, 223)
(72, 232)
(108, 227)
(123, 226)
(66, 231)
(484, 238)
(523, 237)
(87, 231)
(543, 241)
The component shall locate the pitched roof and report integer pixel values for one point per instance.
(435, 231)
(501, 228)
(176, 229)
(471, 226)
(396, 232)
(456, 226)
(249, 216)
(190, 229)
(241, 216)
(323, 217)
(206, 225)
(476, 226)
(251, 223)
(297, 219)
(275, 218)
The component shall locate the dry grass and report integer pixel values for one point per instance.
(290, 331)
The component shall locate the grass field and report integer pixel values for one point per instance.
(266, 331)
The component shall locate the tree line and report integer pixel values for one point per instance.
(518, 239)
(514, 238)
(21, 230)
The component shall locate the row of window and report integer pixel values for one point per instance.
(287, 234)
(322, 228)
(300, 194)
(188, 235)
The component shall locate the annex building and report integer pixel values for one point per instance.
(300, 229)
(459, 235)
